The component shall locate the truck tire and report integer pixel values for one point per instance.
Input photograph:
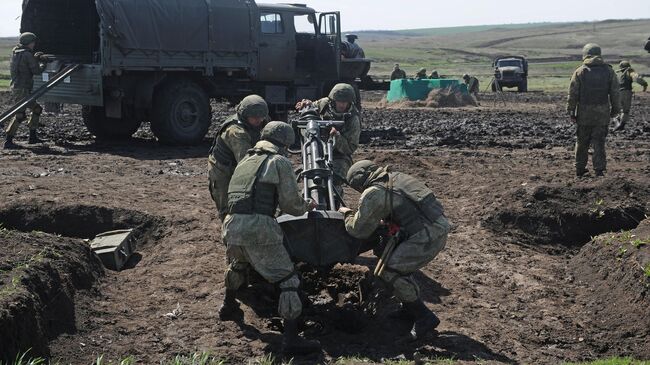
(523, 86)
(181, 113)
(105, 128)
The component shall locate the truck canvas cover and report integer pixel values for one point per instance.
(177, 25)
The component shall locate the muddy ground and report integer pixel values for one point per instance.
(520, 281)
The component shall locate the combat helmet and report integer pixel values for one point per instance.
(343, 93)
(591, 50)
(27, 38)
(280, 133)
(465, 77)
(624, 65)
(359, 174)
(252, 106)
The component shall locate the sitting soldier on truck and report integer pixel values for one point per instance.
(351, 48)
(401, 201)
(24, 65)
(235, 137)
(421, 75)
(263, 182)
(340, 105)
(397, 73)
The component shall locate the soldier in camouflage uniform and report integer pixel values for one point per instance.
(421, 75)
(627, 76)
(24, 65)
(434, 75)
(263, 182)
(340, 105)
(397, 198)
(237, 135)
(472, 84)
(593, 101)
(397, 73)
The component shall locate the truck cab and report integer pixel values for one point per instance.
(510, 71)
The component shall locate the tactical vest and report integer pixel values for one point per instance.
(246, 195)
(328, 112)
(625, 80)
(594, 85)
(220, 150)
(419, 203)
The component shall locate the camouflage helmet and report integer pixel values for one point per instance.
(624, 64)
(465, 77)
(359, 173)
(344, 93)
(591, 49)
(27, 38)
(279, 133)
(252, 106)
(422, 70)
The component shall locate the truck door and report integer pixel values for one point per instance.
(277, 47)
(329, 25)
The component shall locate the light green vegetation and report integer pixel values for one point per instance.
(553, 49)
(613, 361)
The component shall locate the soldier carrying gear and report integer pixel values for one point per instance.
(626, 78)
(434, 75)
(472, 84)
(593, 100)
(397, 73)
(400, 199)
(263, 182)
(421, 75)
(24, 65)
(237, 135)
(340, 105)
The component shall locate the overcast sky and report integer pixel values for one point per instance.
(411, 14)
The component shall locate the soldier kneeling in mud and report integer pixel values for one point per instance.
(398, 199)
(263, 181)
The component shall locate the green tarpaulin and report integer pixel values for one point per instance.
(406, 89)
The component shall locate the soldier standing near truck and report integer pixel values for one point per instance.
(593, 101)
(340, 105)
(627, 77)
(237, 135)
(402, 201)
(24, 65)
(263, 182)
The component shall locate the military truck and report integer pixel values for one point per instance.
(162, 61)
(510, 71)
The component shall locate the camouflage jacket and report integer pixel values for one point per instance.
(593, 93)
(236, 138)
(347, 142)
(397, 75)
(23, 68)
(628, 77)
(259, 229)
(473, 85)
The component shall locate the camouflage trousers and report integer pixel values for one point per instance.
(273, 263)
(21, 115)
(410, 256)
(626, 105)
(595, 136)
(218, 181)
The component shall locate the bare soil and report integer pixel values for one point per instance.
(520, 281)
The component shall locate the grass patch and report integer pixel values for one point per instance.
(612, 361)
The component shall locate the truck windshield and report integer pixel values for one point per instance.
(509, 63)
(305, 24)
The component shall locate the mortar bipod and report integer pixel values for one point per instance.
(317, 158)
(57, 79)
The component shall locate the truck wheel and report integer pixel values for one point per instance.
(523, 86)
(105, 128)
(181, 113)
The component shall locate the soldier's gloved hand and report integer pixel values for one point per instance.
(304, 103)
(38, 55)
(344, 210)
(312, 204)
(334, 132)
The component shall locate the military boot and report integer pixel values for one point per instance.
(33, 138)
(425, 321)
(293, 344)
(600, 173)
(230, 310)
(581, 172)
(9, 143)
